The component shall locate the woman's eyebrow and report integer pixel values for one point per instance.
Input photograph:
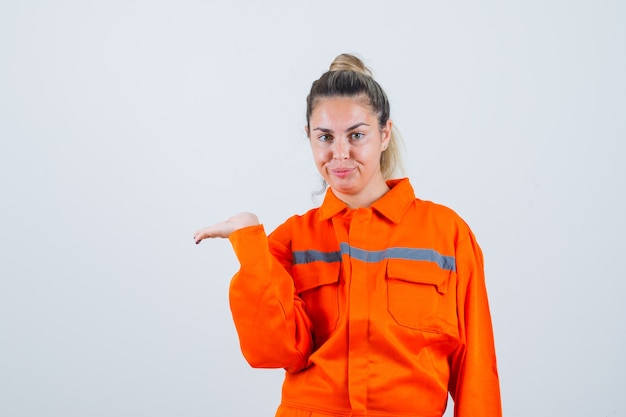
(357, 125)
(325, 130)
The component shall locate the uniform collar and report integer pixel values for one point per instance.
(392, 205)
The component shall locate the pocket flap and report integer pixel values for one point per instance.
(317, 274)
(418, 272)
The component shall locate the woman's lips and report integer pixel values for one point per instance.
(341, 172)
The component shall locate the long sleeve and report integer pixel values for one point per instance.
(274, 330)
(474, 381)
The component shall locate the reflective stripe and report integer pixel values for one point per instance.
(447, 263)
(307, 256)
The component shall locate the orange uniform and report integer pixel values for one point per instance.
(377, 311)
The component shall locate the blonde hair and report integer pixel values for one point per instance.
(349, 77)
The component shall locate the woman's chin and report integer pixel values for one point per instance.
(343, 186)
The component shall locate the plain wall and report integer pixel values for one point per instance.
(127, 125)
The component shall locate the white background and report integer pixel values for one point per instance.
(127, 125)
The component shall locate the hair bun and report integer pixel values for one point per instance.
(347, 62)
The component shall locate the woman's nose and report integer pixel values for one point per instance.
(341, 150)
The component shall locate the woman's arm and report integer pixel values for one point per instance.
(274, 330)
(474, 383)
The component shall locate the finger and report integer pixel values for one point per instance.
(222, 229)
(201, 235)
(197, 234)
(208, 233)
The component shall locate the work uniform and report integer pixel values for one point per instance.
(377, 311)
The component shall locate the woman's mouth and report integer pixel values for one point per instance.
(342, 172)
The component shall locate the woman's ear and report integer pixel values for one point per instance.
(306, 129)
(386, 134)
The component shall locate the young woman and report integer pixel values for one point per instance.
(375, 302)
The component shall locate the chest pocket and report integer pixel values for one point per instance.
(317, 284)
(419, 296)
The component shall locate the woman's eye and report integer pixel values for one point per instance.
(325, 138)
(357, 136)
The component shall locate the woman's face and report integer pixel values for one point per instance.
(347, 142)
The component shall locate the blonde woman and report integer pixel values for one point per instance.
(374, 303)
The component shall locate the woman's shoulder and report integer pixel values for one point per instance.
(307, 218)
(434, 207)
(297, 222)
(438, 213)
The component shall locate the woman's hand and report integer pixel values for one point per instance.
(225, 228)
